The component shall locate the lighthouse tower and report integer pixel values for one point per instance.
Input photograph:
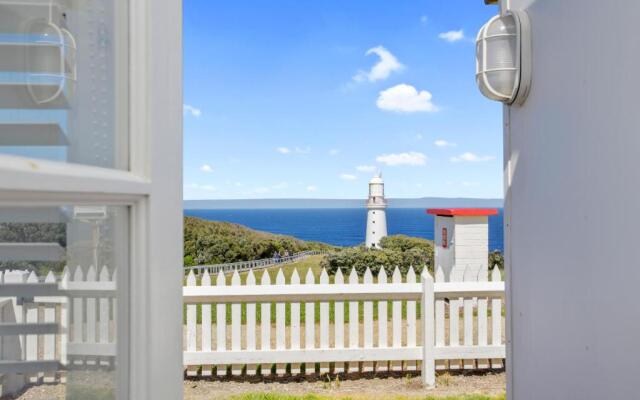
(377, 216)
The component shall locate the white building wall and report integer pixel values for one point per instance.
(444, 256)
(376, 227)
(471, 246)
(573, 205)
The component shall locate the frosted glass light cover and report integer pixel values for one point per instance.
(498, 58)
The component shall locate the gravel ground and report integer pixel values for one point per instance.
(362, 387)
(356, 387)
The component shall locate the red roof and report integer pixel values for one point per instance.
(467, 212)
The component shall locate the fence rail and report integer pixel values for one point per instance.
(50, 325)
(241, 266)
(460, 324)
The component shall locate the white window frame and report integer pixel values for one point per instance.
(152, 188)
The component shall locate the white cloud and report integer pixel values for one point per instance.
(283, 150)
(452, 36)
(366, 168)
(196, 186)
(348, 177)
(312, 188)
(424, 19)
(387, 64)
(471, 157)
(191, 110)
(206, 168)
(411, 158)
(444, 143)
(405, 98)
(334, 152)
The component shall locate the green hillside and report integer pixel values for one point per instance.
(213, 242)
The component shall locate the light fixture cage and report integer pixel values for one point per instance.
(503, 57)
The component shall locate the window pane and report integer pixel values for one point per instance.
(63, 81)
(64, 269)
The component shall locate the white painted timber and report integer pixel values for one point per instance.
(383, 341)
(265, 322)
(236, 321)
(324, 322)
(251, 324)
(191, 324)
(280, 325)
(309, 323)
(354, 322)
(295, 323)
(396, 320)
(367, 366)
(339, 322)
(221, 324)
(205, 325)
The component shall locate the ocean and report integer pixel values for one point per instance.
(340, 227)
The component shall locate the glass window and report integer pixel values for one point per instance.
(75, 261)
(64, 80)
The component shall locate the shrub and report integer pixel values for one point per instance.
(399, 250)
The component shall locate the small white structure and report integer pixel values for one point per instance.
(462, 242)
(377, 216)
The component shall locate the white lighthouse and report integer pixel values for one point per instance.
(377, 216)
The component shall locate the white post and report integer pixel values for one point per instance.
(428, 331)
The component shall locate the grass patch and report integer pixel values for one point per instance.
(276, 396)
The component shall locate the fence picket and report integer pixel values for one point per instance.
(396, 316)
(265, 324)
(221, 325)
(103, 316)
(382, 366)
(338, 311)
(367, 366)
(236, 327)
(295, 323)
(324, 322)
(496, 319)
(191, 324)
(49, 345)
(482, 363)
(280, 325)
(251, 325)
(411, 365)
(354, 323)
(309, 324)
(31, 317)
(454, 329)
(469, 276)
(78, 314)
(91, 312)
(439, 319)
(205, 324)
(64, 319)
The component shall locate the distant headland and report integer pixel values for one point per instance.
(424, 202)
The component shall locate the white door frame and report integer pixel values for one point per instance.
(152, 189)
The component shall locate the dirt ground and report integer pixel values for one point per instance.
(356, 387)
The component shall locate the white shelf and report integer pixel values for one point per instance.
(24, 215)
(45, 57)
(31, 252)
(16, 95)
(32, 134)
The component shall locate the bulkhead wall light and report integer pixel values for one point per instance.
(503, 58)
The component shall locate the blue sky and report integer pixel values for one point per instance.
(307, 99)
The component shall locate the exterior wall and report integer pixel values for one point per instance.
(444, 257)
(573, 205)
(376, 227)
(471, 244)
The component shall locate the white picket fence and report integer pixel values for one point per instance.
(54, 324)
(454, 332)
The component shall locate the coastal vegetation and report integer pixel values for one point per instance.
(213, 242)
(397, 250)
